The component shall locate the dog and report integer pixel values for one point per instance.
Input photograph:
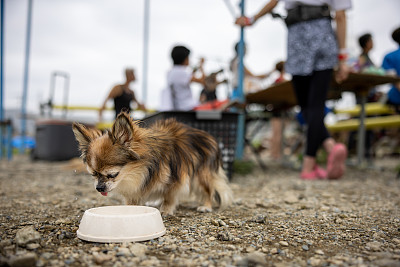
(164, 162)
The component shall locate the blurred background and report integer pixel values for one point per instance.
(93, 41)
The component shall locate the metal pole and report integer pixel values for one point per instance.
(66, 93)
(145, 48)
(241, 55)
(230, 8)
(26, 73)
(241, 119)
(361, 131)
(52, 89)
(9, 137)
(1, 59)
(1, 76)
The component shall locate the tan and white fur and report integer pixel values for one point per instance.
(163, 162)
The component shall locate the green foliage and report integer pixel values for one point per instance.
(243, 167)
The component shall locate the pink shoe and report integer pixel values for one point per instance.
(309, 175)
(336, 161)
(320, 172)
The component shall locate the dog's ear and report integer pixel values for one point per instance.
(123, 129)
(123, 132)
(84, 136)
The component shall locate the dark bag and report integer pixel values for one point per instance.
(306, 12)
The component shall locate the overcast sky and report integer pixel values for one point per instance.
(94, 40)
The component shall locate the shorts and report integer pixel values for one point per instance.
(312, 46)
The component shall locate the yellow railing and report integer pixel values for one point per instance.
(392, 121)
(370, 109)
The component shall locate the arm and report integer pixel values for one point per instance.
(198, 80)
(245, 21)
(115, 91)
(139, 105)
(202, 77)
(223, 81)
(261, 76)
(266, 75)
(265, 10)
(341, 24)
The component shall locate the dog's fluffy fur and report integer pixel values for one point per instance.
(162, 162)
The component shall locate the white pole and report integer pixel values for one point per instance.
(145, 49)
(26, 74)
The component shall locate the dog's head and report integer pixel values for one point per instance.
(106, 153)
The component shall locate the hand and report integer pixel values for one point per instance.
(265, 76)
(243, 21)
(201, 61)
(342, 72)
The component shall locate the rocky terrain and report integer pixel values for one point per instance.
(277, 220)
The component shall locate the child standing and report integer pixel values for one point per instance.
(179, 79)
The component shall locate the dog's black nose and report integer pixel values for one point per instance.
(101, 187)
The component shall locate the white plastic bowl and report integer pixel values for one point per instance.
(114, 224)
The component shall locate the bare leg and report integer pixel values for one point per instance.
(328, 144)
(276, 138)
(308, 164)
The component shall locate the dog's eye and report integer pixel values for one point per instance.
(113, 175)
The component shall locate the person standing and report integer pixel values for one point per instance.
(366, 44)
(391, 62)
(122, 96)
(178, 93)
(277, 119)
(313, 51)
(364, 63)
(209, 92)
(234, 67)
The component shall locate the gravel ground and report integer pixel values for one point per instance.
(277, 220)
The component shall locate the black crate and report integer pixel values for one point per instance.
(55, 141)
(221, 125)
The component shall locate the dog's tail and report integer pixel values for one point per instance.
(223, 193)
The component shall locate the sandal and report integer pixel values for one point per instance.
(320, 172)
(309, 175)
(336, 161)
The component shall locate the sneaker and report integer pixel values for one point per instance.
(336, 161)
(309, 175)
(320, 172)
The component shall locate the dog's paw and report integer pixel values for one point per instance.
(166, 216)
(167, 211)
(204, 209)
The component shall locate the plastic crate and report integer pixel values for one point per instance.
(221, 125)
(55, 141)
